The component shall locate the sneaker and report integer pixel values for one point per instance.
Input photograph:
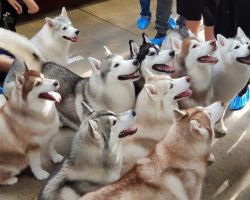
(1, 90)
(171, 23)
(142, 23)
(158, 39)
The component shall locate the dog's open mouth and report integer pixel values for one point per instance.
(134, 75)
(127, 132)
(163, 68)
(244, 60)
(207, 59)
(185, 94)
(52, 96)
(72, 39)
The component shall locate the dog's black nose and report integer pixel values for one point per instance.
(136, 62)
(134, 113)
(172, 53)
(188, 79)
(56, 83)
(249, 47)
(77, 32)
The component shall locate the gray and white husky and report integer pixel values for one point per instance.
(110, 86)
(95, 158)
(55, 38)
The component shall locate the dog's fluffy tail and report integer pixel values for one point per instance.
(21, 48)
(55, 183)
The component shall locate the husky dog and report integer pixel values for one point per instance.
(28, 121)
(95, 158)
(159, 96)
(110, 86)
(177, 166)
(233, 69)
(55, 37)
(197, 59)
(151, 58)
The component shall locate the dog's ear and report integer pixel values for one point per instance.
(50, 22)
(151, 90)
(95, 64)
(145, 38)
(107, 51)
(179, 114)
(19, 79)
(197, 128)
(64, 12)
(134, 49)
(175, 43)
(240, 33)
(93, 128)
(221, 40)
(191, 34)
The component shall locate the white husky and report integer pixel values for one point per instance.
(233, 70)
(154, 107)
(55, 37)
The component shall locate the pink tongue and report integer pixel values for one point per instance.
(133, 128)
(53, 96)
(186, 93)
(75, 39)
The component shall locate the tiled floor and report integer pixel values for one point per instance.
(112, 23)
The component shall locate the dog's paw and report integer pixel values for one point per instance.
(57, 158)
(11, 181)
(221, 130)
(210, 159)
(41, 175)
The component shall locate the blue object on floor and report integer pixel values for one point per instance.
(240, 101)
(158, 41)
(1, 90)
(142, 23)
(171, 23)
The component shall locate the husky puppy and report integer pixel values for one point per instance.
(28, 121)
(95, 157)
(151, 58)
(110, 86)
(196, 59)
(233, 69)
(55, 37)
(160, 96)
(176, 168)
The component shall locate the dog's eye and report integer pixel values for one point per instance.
(116, 65)
(114, 122)
(171, 86)
(64, 28)
(194, 46)
(236, 47)
(152, 54)
(38, 83)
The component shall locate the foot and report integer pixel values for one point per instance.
(171, 23)
(57, 158)
(1, 90)
(41, 174)
(142, 23)
(10, 181)
(221, 130)
(158, 39)
(240, 101)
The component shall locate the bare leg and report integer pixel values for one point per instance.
(209, 33)
(5, 63)
(194, 26)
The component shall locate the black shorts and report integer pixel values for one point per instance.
(195, 9)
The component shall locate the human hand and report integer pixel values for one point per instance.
(16, 6)
(32, 6)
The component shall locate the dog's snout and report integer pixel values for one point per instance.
(172, 53)
(133, 113)
(77, 32)
(136, 62)
(188, 79)
(56, 83)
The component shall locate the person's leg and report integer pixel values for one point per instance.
(144, 20)
(209, 33)
(194, 26)
(208, 13)
(163, 13)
